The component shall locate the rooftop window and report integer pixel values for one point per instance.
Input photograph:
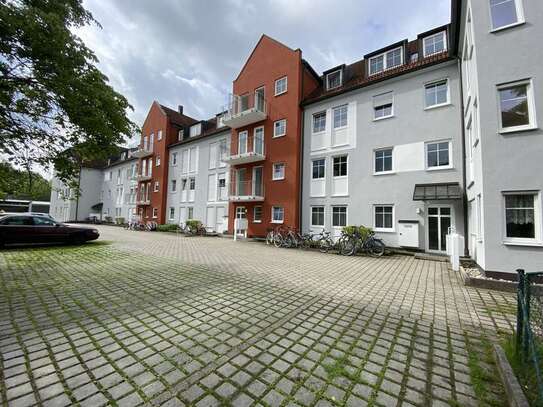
(386, 60)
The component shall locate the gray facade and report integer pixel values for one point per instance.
(369, 193)
(119, 190)
(501, 50)
(198, 181)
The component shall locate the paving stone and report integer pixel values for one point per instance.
(225, 390)
(132, 399)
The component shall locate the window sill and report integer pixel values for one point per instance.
(384, 173)
(281, 93)
(383, 118)
(278, 179)
(384, 230)
(518, 129)
(279, 135)
(339, 195)
(257, 221)
(276, 221)
(438, 106)
(340, 128)
(318, 133)
(444, 167)
(505, 27)
(534, 243)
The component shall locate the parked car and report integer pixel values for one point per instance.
(24, 228)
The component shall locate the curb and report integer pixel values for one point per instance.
(490, 284)
(515, 395)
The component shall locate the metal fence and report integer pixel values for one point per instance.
(529, 338)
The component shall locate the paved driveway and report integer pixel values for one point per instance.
(157, 319)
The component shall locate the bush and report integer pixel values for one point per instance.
(108, 219)
(119, 220)
(363, 231)
(167, 228)
(193, 224)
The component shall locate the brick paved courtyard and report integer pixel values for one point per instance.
(157, 319)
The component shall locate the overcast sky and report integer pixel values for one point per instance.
(189, 51)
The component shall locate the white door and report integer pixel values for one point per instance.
(182, 214)
(439, 221)
(222, 219)
(242, 142)
(210, 218)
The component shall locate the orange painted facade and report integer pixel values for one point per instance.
(270, 61)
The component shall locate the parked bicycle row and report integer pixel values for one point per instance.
(353, 240)
(191, 227)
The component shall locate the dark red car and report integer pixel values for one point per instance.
(22, 229)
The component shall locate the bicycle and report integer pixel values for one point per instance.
(324, 241)
(351, 243)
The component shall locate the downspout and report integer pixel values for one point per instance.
(301, 159)
(464, 193)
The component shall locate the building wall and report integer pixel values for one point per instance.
(270, 61)
(504, 161)
(208, 203)
(117, 183)
(406, 132)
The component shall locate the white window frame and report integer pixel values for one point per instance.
(445, 45)
(174, 159)
(157, 161)
(383, 229)
(346, 216)
(180, 134)
(340, 176)
(172, 213)
(313, 122)
(520, 17)
(340, 71)
(156, 186)
(519, 241)
(282, 211)
(375, 119)
(277, 81)
(159, 135)
(531, 107)
(435, 83)
(155, 213)
(346, 107)
(275, 134)
(246, 134)
(439, 167)
(323, 218)
(321, 159)
(385, 65)
(277, 165)
(195, 126)
(391, 171)
(254, 214)
(172, 183)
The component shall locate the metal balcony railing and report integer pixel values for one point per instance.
(246, 191)
(144, 151)
(243, 110)
(247, 149)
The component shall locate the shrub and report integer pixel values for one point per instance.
(108, 219)
(119, 220)
(193, 224)
(167, 228)
(363, 231)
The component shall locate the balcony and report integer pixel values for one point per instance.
(244, 110)
(144, 177)
(144, 202)
(248, 149)
(146, 151)
(246, 191)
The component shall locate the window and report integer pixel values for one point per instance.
(43, 221)
(334, 79)
(319, 168)
(174, 185)
(522, 217)
(220, 121)
(339, 216)
(437, 154)
(516, 106)
(174, 159)
(278, 214)
(278, 171)
(340, 116)
(414, 57)
(180, 134)
(242, 142)
(319, 122)
(387, 60)
(159, 135)
(435, 44)
(172, 213)
(436, 93)
(18, 221)
(506, 13)
(155, 212)
(383, 160)
(156, 186)
(280, 86)
(340, 166)
(317, 216)
(157, 161)
(190, 213)
(257, 214)
(280, 128)
(384, 217)
(192, 184)
(196, 130)
(383, 106)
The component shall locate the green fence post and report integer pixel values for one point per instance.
(528, 335)
(520, 311)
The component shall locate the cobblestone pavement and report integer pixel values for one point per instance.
(157, 319)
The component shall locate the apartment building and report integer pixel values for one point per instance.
(502, 84)
(264, 114)
(383, 145)
(198, 176)
(106, 189)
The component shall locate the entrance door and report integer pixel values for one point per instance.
(222, 219)
(210, 218)
(182, 214)
(439, 222)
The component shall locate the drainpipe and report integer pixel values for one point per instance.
(301, 159)
(464, 193)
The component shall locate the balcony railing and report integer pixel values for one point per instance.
(244, 110)
(145, 201)
(244, 152)
(144, 151)
(246, 191)
(144, 177)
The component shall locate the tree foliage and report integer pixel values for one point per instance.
(23, 184)
(52, 96)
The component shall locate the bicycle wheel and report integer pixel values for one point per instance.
(269, 237)
(325, 244)
(376, 248)
(348, 247)
(278, 240)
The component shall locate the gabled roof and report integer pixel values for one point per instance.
(178, 118)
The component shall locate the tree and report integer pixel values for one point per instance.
(52, 96)
(23, 184)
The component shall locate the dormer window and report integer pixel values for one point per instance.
(196, 130)
(334, 79)
(386, 60)
(414, 57)
(180, 134)
(434, 44)
(220, 121)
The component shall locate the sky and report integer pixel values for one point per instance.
(187, 52)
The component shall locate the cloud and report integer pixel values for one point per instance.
(188, 52)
